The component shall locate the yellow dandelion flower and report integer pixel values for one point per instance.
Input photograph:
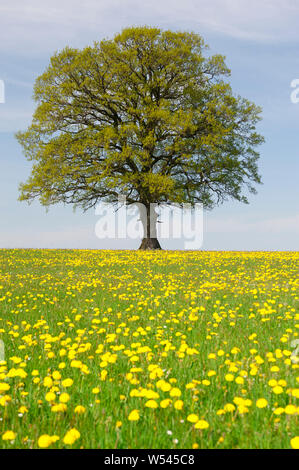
(48, 382)
(64, 398)
(165, 403)
(80, 409)
(44, 441)
(67, 383)
(178, 404)
(229, 377)
(261, 403)
(50, 396)
(134, 415)
(278, 411)
(201, 424)
(4, 387)
(192, 418)
(290, 410)
(71, 436)
(9, 436)
(175, 392)
(295, 442)
(151, 404)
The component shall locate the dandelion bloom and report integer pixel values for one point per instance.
(192, 418)
(4, 387)
(134, 415)
(239, 380)
(59, 408)
(178, 404)
(45, 440)
(206, 382)
(67, 383)
(48, 382)
(64, 398)
(80, 409)
(165, 403)
(9, 436)
(229, 407)
(56, 375)
(50, 396)
(175, 392)
(151, 404)
(295, 442)
(261, 403)
(23, 409)
(201, 424)
(164, 386)
(229, 377)
(71, 436)
(290, 409)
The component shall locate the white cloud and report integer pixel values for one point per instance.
(34, 27)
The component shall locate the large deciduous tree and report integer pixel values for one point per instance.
(148, 115)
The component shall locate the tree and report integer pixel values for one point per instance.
(148, 115)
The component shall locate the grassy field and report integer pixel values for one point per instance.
(126, 349)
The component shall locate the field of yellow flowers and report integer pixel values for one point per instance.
(119, 349)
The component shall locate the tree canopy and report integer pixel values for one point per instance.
(149, 115)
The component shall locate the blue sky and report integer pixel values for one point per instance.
(260, 40)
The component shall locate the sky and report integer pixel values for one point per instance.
(260, 40)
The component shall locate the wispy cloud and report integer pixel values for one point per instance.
(35, 27)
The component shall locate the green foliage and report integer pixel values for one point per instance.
(147, 115)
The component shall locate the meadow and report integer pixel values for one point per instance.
(119, 349)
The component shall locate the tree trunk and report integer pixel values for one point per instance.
(149, 218)
(150, 244)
